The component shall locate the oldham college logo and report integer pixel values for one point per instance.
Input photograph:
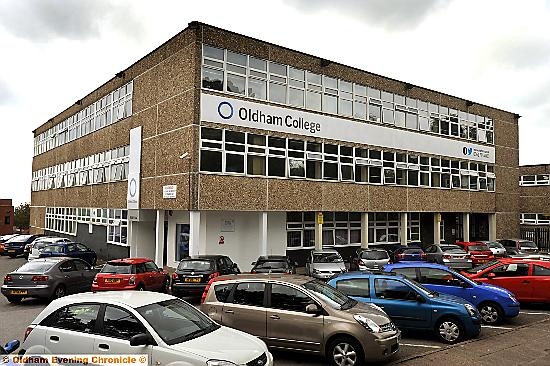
(467, 151)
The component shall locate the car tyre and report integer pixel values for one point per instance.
(345, 351)
(13, 255)
(449, 330)
(59, 292)
(165, 285)
(491, 313)
(14, 299)
(140, 287)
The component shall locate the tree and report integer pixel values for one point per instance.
(22, 215)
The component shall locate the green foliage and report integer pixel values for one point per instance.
(22, 216)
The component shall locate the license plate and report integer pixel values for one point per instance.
(18, 292)
(192, 279)
(11, 251)
(112, 280)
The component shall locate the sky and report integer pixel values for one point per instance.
(493, 52)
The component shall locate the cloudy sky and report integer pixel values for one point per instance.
(495, 52)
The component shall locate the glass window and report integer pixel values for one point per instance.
(511, 270)
(249, 293)
(257, 88)
(223, 291)
(236, 84)
(288, 298)
(330, 103)
(407, 272)
(276, 167)
(182, 241)
(80, 318)
(212, 79)
(540, 271)
(119, 323)
(211, 161)
(355, 287)
(434, 276)
(393, 289)
(313, 101)
(277, 93)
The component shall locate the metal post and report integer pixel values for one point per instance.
(364, 229)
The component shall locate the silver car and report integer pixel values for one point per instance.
(497, 248)
(325, 263)
(48, 278)
(370, 259)
(449, 255)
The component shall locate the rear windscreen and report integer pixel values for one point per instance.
(528, 244)
(35, 267)
(53, 248)
(271, 264)
(195, 265)
(479, 247)
(118, 268)
(374, 255)
(413, 251)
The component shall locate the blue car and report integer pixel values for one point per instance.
(73, 250)
(494, 303)
(412, 306)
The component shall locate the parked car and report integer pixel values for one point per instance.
(274, 264)
(498, 249)
(516, 246)
(73, 250)
(38, 245)
(193, 273)
(140, 274)
(302, 314)
(3, 239)
(449, 255)
(479, 252)
(528, 280)
(324, 263)
(494, 303)
(48, 278)
(167, 329)
(16, 245)
(412, 306)
(369, 259)
(408, 253)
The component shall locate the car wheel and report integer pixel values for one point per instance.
(140, 287)
(345, 351)
(14, 299)
(165, 285)
(491, 313)
(13, 255)
(59, 292)
(449, 330)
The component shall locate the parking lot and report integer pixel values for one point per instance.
(15, 318)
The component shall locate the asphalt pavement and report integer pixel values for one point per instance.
(524, 340)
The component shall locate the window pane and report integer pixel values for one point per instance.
(118, 323)
(355, 287)
(287, 298)
(234, 163)
(212, 79)
(297, 168)
(249, 294)
(257, 88)
(255, 165)
(211, 161)
(277, 93)
(276, 167)
(391, 289)
(330, 104)
(296, 97)
(313, 101)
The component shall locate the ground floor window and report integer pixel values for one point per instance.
(182, 241)
(61, 220)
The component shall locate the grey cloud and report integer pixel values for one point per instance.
(522, 53)
(6, 95)
(391, 14)
(75, 20)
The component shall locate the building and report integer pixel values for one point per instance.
(534, 188)
(216, 142)
(7, 217)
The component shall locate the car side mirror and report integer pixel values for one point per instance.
(419, 298)
(253, 263)
(141, 339)
(491, 275)
(313, 309)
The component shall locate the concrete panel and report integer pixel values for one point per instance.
(482, 202)
(147, 193)
(507, 179)
(506, 134)
(236, 193)
(507, 225)
(148, 160)
(177, 73)
(294, 195)
(177, 112)
(117, 194)
(146, 90)
(100, 193)
(147, 119)
(507, 202)
(507, 157)
(383, 198)
(345, 197)
(182, 194)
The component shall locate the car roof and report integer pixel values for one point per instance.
(321, 251)
(211, 257)
(359, 274)
(293, 279)
(272, 257)
(416, 264)
(130, 260)
(524, 260)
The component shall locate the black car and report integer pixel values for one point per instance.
(73, 250)
(274, 264)
(16, 245)
(194, 273)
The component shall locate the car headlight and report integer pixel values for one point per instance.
(370, 325)
(219, 363)
(471, 310)
(512, 297)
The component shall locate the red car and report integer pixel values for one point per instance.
(529, 280)
(479, 252)
(131, 274)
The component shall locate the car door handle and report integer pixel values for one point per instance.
(525, 282)
(54, 338)
(274, 317)
(103, 346)
(229, 311)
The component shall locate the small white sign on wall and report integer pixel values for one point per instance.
(169, 191)
(228, 225)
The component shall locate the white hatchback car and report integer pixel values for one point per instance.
(169, 330)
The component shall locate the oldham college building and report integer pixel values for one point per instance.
(218, 143)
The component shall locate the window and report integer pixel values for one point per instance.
(540, 271)
(119, 323)
(151, 267)
(433, 276)
(407, 272)
(182, 241)
(393, 289)
(7, 220)
(223, 291)
(79, 318)
(249, 293)
(288, 298)
(355, 287)
(511, 270)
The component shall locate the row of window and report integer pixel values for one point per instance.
(240, 153)
(244, 75)
(107, 110)
(534, 180)
(344, 228)
(65, 219)
(108, 166)
(534, 219)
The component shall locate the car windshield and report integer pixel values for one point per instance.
(19, 239)
(528, 244)
(413, 251)
(53, 248)
(195, 265)
(271, 264)
(422, 289)
(327, 258)
(482, 267)
(35, 267)
(495, 245)
(374, 254)
(453, 250)
(478, 247)
(176, 321)
(330, 295)
(118, 268)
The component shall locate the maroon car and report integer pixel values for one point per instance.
(479, 252)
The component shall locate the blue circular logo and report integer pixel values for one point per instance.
(225, 110)
(133, 187)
